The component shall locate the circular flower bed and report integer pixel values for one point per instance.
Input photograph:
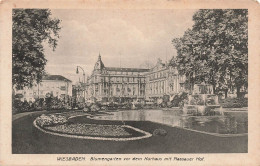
(60, 125)
(90, 129)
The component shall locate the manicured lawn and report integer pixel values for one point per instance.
(27, 139)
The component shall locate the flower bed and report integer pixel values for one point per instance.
(90, 130)
(52, 119)
(62, 125)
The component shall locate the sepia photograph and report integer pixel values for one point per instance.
(129, 83)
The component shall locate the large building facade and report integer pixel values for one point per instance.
(115, 82)
(163, 79)
(133, 83)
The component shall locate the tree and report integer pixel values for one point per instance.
(215, 50)
(31, 27)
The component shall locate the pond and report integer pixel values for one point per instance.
(230, 123)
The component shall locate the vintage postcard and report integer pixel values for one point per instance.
(130, 82)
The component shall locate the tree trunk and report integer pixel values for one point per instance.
(214, 89)
(38, 90)
(238, 92)
(226, 92)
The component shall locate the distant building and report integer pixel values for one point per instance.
(56, 85)
(163, 79)
(132, 83)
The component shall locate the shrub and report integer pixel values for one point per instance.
(55, 103)
(234, 102)
(166, 98)
(159, 132)
(163, 105)
(179, 100)
(137, 106)
(94, 107)
(19, 106)
(176, 101)
(16, 106)
(210, 101)
(88, 104)
(209, 111)
(182, 102)
(169, 104)
(197, 100)
(183, 96)
(112, 105)
(39, 104)
(81, 105)
(86, 109)
(50, 103)
(126, 106)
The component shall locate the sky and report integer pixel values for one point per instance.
(123, 38)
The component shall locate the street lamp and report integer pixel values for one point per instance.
(77, 71)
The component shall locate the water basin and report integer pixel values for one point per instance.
(229, 123)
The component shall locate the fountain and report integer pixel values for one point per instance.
(202, 102)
